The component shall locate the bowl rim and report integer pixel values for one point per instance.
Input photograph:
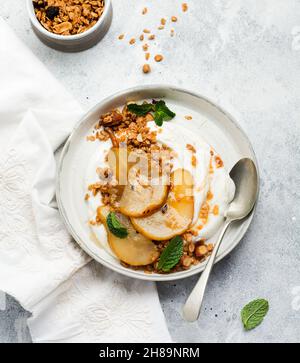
(66, 38)
(131, 273)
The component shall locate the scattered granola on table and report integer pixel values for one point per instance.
(162, 25)
(68, 17)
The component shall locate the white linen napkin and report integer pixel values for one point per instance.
(71, 299)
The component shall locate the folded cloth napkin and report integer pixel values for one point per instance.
(71, 298)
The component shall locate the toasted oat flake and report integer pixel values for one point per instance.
(145, 47)
(142, 37)
(68, 17)
(188, 117)
(172, 32)
(174, 19)
(147, 56)
(121, 36)
(151, 37)
(132, 41)
(146, 31)
(163, 21)
(145, 11)
(219, 162)
(161, 27)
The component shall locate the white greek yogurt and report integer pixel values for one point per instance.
(209, 179)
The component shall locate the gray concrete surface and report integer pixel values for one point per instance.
(245, 55)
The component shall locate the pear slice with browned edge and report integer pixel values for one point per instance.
(176, 216)
(135, 249)
(141, 196)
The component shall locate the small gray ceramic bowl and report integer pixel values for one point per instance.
(72, 43)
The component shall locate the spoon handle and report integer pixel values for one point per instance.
(192, 307)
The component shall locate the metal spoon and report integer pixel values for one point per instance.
(245, 177)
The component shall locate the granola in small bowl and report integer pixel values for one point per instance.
(68, 17)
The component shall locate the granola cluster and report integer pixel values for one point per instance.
(68, 17)
(123, 127)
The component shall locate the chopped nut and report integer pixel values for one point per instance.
(219, 162)
(158, 58)
(142, 37)
(191, 247)
(172, 32)
(145, 11)
(216, 210)
(191, 148)
(188, 117)
(188, 237)
(210, 247)
(146, 31)
(139, 138)
(121, 36)
(185, 7)
(174, 19)
(146, 68)
(209, 195)
(186, 261)
(113, 118)
(145, 47)
(163, 21)
(201, 251)
(147, 56)
(194, 161)
(151, 37)
(87, 197)
(132, 41)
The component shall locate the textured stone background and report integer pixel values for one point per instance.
(245, 55)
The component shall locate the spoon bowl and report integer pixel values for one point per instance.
(245, 177)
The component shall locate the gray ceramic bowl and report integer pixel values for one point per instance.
(72, 43)
(210, 121)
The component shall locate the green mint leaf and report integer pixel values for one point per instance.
(159, 108)
(162, 113)
(171, 255)
(140, 110)
(254, 313)
(115, 226)
(159, 118)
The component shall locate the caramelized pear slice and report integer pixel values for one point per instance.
(135, 249)
(175, 217)
(141, 196)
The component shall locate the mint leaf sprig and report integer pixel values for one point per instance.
(171, 255)
(159, 110)
(115, 226)
(254, 313)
